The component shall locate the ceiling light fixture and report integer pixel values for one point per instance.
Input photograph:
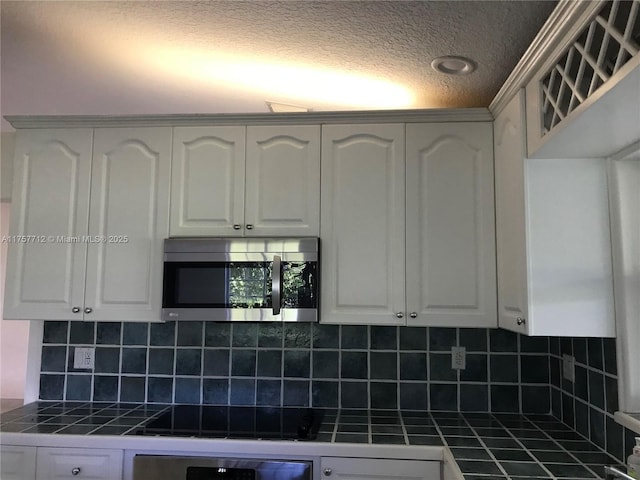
(450, 65)
(283, 107)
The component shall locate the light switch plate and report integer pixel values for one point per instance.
(83, 357)
(569, 367)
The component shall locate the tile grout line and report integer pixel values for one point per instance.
(600, 449)
(446, 444)
(489, 452)
(565, 450)
(405, 434)
(525, 448)
(334, 434)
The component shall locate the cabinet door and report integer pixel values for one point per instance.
(510, 217)
(17, 463)
(78, 463)
(46, 262)
(569, 263)
(378, 469)
(363, 224)
(282, 188)
(128, 218)
(624, 192)
(207, 181)
(451, 279)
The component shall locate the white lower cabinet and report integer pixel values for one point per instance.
(17, 463)
(78, 463)
(340, 468)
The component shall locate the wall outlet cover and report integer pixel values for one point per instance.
(83, 357)
(458, 358)
(569, 367)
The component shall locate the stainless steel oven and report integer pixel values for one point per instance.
(241, 279)
(168, 467)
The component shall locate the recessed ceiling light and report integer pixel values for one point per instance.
(451, 65)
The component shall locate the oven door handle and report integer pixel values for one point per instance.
(276, 284)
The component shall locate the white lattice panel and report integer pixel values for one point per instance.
(604, 46)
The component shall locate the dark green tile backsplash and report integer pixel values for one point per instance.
(345, 366)
(298, 364)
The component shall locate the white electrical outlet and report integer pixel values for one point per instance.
(458, 358)
(569, 367)
(83, 357)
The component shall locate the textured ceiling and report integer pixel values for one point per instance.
(146, 57)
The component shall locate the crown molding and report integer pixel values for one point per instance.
(302, 118)
(560, 30)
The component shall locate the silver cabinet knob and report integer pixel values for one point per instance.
(75, 309)
(88, 310)
(75, 471)
(327, 472)
(521, 321)
(413, 314)
(237, 227)
(400, 315)
(249, 226)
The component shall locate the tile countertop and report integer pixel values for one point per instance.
(484, 446)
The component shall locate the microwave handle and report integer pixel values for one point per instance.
(276, 284)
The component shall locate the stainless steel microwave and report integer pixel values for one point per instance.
(240, 279)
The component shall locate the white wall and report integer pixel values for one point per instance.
(14, 334)
(7, 142)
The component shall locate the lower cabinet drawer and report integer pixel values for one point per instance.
(17, 463)
(78, 463)
(340, 468)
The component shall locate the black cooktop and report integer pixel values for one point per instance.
(271, 423)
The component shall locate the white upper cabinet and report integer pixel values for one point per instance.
(451, 279)
(363, 224)
(553, 240)
(624, 178)
(509, 138)
(236, 180)
(408, 239)
(282, 188)
(129, 213)
(93, 213)
(45, 267)
(207, 180)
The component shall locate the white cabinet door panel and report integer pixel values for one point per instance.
(17, 463)
(378, 469)
(88, 464)
(129, 220)
(510, 216)
(46, 262)
(363, 224)
(570, 266)
(207, 180)
(450, 225)
(282, 195)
